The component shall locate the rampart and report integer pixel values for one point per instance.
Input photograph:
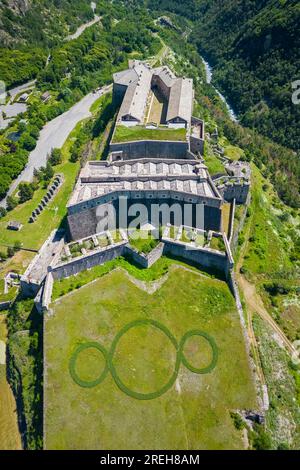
(150, 149)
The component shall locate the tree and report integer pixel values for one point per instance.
(262, 440)
(48, 172)
(2, 212)
(25, 192)
(17, 245)
(55, 157)
(11, 202)
(27, 142)
(10, 251)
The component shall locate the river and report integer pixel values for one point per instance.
(53, 135)
(209, 74)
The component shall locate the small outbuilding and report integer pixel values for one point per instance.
(14, 225)
(23, 98)
(46, 96)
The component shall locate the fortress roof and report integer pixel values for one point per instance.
(135, 99)
(181, 100)
(100, 178)
(138, 80)
(165, 74)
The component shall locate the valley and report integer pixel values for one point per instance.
(79, 133)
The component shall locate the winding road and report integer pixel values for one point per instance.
(54, 134)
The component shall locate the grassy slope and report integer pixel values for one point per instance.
(197, 417)
(9, 433)
(284, 415)
(33, 235)
(161, 267)
(269, 244)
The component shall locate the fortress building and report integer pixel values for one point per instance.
(145, 181)
(155, 116)
(155, 159)
(139, 85)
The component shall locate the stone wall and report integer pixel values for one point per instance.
(84, 222)
(236, 232)
(151, 149)
(202, 257)
(196, 145)
(87, 261)
(146, 261)
(237, 191)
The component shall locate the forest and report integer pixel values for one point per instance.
(253, 46)
(76, 68)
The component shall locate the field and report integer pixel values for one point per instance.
(192, 411)
(128, 134)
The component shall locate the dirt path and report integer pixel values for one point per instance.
(255, 304)
(10, 438)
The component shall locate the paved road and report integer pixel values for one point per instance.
(82, 28)
(15, 91)
(54, 134)
(12, 110)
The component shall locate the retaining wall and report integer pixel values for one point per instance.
(203, 257)
(146, 261)
(235, 235)
(83, 219)
(151, 149)
(87, 261)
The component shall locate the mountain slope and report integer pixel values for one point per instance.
(254, 47)
(40, 21)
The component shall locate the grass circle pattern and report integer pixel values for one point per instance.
(120, 384)
(72, 365)
(214, 348)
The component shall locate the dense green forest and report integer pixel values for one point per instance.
(28, 31)
(76, 68)
(41, 22)
(254, 47)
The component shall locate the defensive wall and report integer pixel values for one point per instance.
(150, 149)
(202, 257)
(83, 218)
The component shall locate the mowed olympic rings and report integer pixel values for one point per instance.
(110, 366)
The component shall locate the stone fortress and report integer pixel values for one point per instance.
(145, 170)
(156, 99)
(158, 162)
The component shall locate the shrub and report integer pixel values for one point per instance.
(237, 421)
(55, 157)
(11, 202)
(25, 192)
(2, 212)
(261, 440)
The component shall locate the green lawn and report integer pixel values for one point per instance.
(193, 414)
(214, 165)
(157, 270)
(128, 134)
(143, 241)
